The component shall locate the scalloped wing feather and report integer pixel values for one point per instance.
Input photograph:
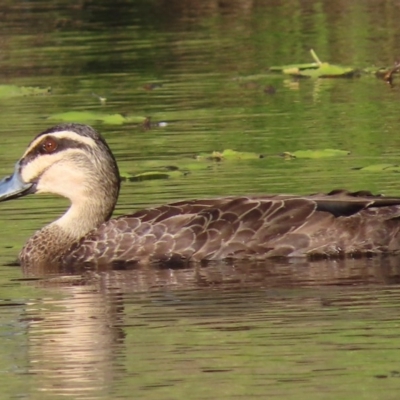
(203, 230)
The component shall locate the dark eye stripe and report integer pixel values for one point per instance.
(62, 144)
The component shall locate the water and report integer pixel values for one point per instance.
(326, 329)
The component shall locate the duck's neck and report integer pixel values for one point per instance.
(82, 217)
(44, 250)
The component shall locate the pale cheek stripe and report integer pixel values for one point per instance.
(35, 168)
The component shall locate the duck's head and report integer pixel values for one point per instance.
(71, 160)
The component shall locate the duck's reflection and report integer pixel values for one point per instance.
(76, 337)
(73, 340)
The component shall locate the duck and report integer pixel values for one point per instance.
(74, 161)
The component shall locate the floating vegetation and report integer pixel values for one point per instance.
(92, 116)
(228, 154)
(7, 91)
(324, 153)
(154, 170)
(161, 173)
(317, 69)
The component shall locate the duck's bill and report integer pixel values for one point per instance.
(13, 186)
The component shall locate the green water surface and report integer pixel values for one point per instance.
(199, 71)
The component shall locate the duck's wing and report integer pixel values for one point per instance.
(235, 227)
(343, 203)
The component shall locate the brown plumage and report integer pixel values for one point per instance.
(260, 227)
(246, 228)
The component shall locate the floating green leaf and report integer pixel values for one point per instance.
(326, 70)
(91, 116)
(228, 154)
(317, 69)
(301, 67)
(162, 173)
(154, 170)
(7, 91)
(315, 153)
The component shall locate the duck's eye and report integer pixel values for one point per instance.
(49, 146)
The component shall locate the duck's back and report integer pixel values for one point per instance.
(245, 227)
